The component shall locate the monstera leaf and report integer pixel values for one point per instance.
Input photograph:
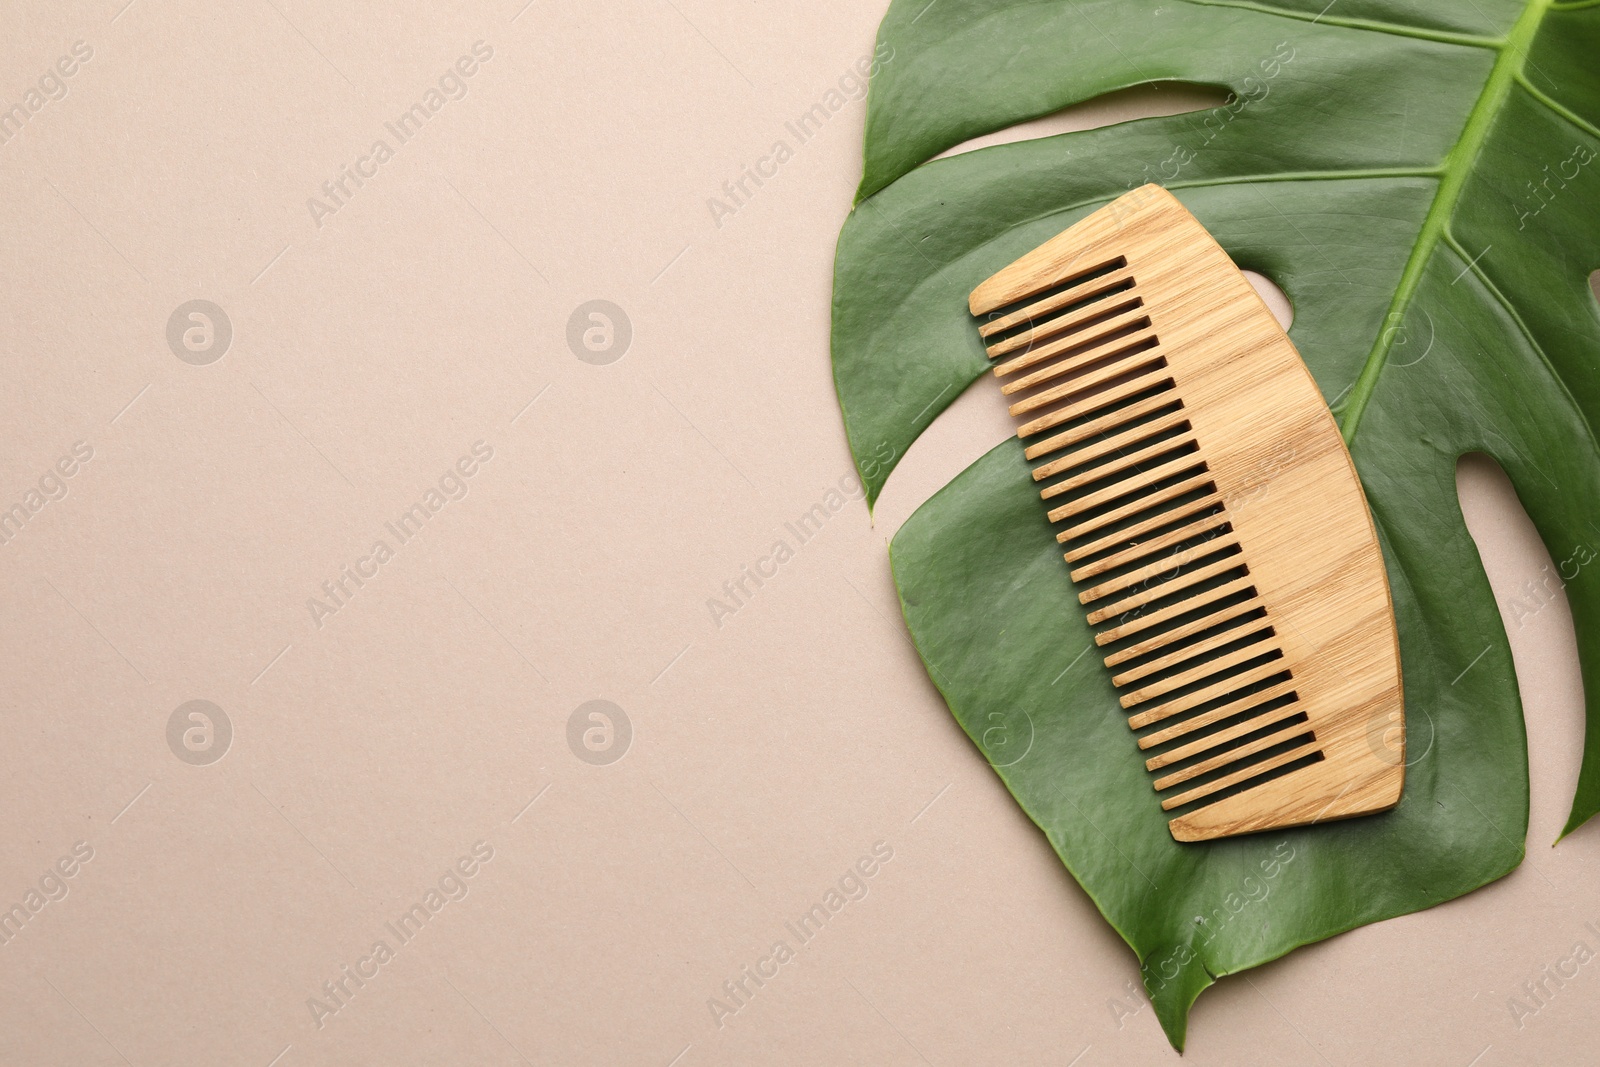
(1421, 179)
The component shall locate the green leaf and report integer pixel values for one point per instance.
(1421, 180)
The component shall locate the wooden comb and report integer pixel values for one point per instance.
(1213, 520)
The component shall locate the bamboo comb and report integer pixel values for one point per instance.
(1212, 519)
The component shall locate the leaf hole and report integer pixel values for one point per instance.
(1158, 99)
(1529, 590)
(974, 423)
(1275, 299)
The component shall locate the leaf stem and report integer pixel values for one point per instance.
(1457, 169)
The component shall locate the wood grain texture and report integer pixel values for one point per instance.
(1212, 517)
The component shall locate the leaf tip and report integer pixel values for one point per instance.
(1575, 819)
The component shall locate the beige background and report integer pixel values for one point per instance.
(430, 712)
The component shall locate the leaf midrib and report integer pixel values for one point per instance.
(1458, 167)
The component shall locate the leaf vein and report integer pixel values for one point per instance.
(1527, 333)
(1470, 40)
(1554, 105)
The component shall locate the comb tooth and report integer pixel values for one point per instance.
(1146, 349)
(1074, 322)
(1140, 484)
(1103, 448)
(1233, 755)
(1165, 589)
(1183, 607)
(1112, 395)
(1112, 349)
(1201, 672)
(1222, 737)
(1124, 466)
(1240, 776)
(1188, 629)
(1075, 350)
(1232, 707)
(1094, 285)
(1113, 301)
(1256, 628)
(1155, 522)
(1200, 696)
(1212, 523)
(1136, 507)
(1102, 424)
(1225, 545)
